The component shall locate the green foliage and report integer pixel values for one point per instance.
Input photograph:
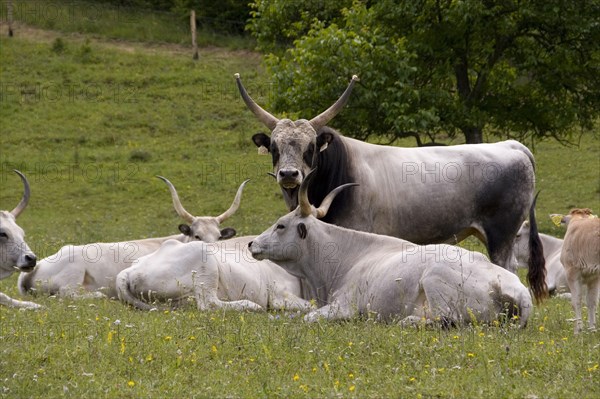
(73, 127)
(225, 16)
(431, 67)
(276, 24)
(58, 46)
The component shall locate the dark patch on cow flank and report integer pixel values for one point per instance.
(333, 169)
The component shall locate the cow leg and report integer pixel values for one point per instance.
(575, 287)
(500, 243)
(592, 301)
(334, 311)
(289, 302)
(206, 282)
(13, 303)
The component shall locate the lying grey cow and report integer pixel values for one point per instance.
(424, 195)
(218, 275)
(556, 278)
(15, 254)
(92, 268)
(355, 273)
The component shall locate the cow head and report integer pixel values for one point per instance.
(204, 228)
(574, 214)
(287, 240)
(15, 254)
(293, 144)
(521, 246)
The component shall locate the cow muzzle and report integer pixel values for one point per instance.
(289, 178)
(26, 263)
(255, 251)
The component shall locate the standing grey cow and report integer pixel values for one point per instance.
(15, 254)
(424, 195)
(92, 268)
(356, 273)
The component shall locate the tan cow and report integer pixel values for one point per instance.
(580, 257)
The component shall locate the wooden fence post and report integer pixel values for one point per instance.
(193, 29)
(9, 9)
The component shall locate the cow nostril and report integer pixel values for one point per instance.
(249, 244)
(31, 260)
(282, 173)
(295, 173)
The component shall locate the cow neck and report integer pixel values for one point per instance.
(551, 244)
(334, 168)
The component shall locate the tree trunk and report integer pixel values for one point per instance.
(473, 135)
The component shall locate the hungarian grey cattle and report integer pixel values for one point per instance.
(219, 275)
(90, 270)
(580, 257)
(424, 195)
(556, 279)
(357, 273)
(15, 254)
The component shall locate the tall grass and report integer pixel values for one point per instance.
(119, 22)
(91, 126)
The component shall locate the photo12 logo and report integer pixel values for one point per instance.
(54, 92)
(62, 12)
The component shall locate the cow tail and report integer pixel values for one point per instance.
(536, 275)
(125, 294)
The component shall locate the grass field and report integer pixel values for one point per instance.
(91, 122)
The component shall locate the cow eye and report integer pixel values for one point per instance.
(197, 237)
(274, 153)
(3, 235)
(308, 154)
(280, 226)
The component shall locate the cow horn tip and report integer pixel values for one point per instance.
(237, 75)
(355, 78)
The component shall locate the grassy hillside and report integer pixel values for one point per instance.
(91, 123)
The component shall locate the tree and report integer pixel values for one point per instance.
(509, 68)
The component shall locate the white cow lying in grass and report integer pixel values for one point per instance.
(556, 279)
(356, 273)
(90, 270)
(218, 275)
(580, 257)
(15, 254)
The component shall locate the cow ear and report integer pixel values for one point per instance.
(263, 142)
(185, 229)
(302, 230)
(323, 140)
(227, 232)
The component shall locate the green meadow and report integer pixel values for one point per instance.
(92, 121)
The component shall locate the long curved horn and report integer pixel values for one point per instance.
(303, 202)
(185, 215)
(322, 119)
(269, 120)
(25, 199)
(234, 205)
(326, 203)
